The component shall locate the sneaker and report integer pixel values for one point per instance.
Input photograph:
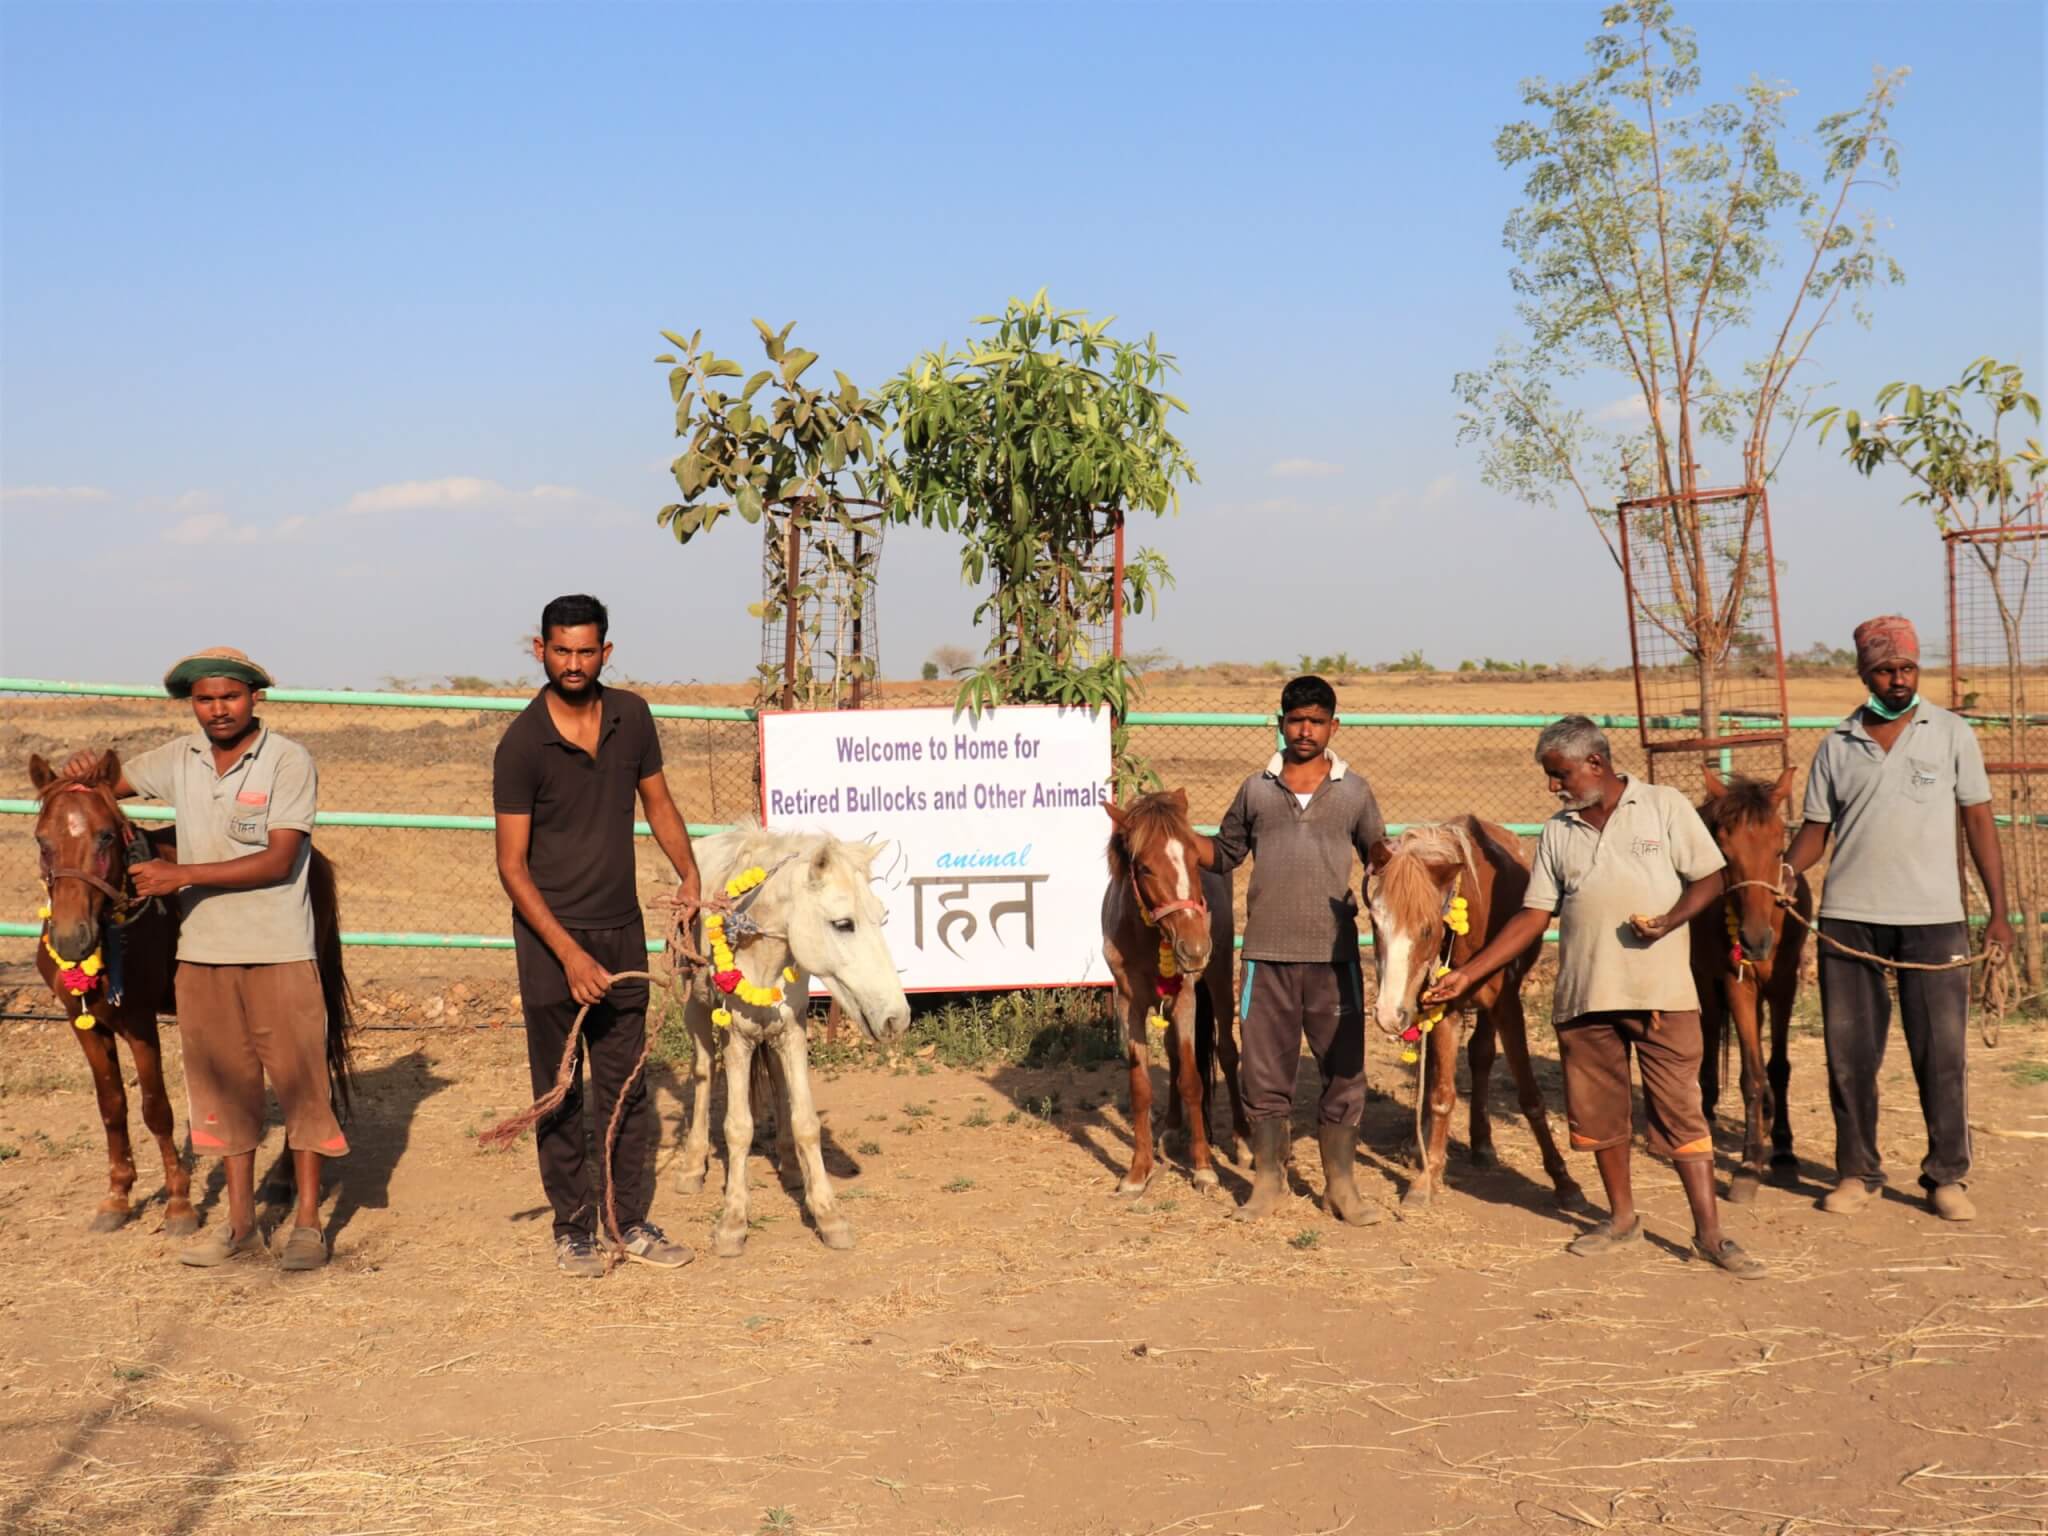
(1846, 1198)
(216, 1247)
(1951, 1203)
(576, 1254)
(646, 1243)
(306, 1248)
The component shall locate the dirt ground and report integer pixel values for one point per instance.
(1010, 1349)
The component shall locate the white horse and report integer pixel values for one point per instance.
(819, 916)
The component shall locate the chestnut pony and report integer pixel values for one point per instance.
(84, 845)
(1746, 956)
(1413, 881)
(1159, 902)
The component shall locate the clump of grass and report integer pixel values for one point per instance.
(775, 1521)
(2029, 1073)
(8, 1149)
(869, 1149)
(958, 1185)
(978, 1119)
(917, 1111)
(1306, 1238)
(1063, 1026)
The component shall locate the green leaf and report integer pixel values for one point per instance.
(749, 503)
(755, 383)
(794, 364)
(722, 368)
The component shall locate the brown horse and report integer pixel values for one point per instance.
(85, 845)
(1745, 955)
(1413, 883)
(1158, 904)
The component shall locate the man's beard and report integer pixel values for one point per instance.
(1573, 802)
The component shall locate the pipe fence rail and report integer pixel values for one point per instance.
(424, 879)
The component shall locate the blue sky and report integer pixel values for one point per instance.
(336, 320)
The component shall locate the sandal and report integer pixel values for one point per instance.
(1591, 1244)
(304, 1249)
(1729, 1255)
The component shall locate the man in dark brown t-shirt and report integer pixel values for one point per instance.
(563, 785)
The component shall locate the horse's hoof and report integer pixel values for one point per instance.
(110, 1221)
(1419, 1194)
(728, 1244)
(1785, 1164)
(1205, 1178)
(1484, 1156)
(1742, 1187)
(689, 1181)
(181, 1223)
(1571, 1198)
(1241, 1152)
(1130, 1188)
(836, 1235)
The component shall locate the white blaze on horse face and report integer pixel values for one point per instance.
(1392, 953)
(1177, 857)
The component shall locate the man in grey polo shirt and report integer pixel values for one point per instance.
(1624, 866)
(1302, 820)
(250, 1004)
(1888, 781)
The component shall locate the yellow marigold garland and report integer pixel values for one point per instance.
(725, 969)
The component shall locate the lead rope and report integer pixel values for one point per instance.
(1996, 993)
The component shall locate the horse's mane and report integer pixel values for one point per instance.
(725, 853)
(1743, 802)
(1145, 819)
(1412, 897)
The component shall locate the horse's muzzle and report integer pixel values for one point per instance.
(74, 941)
(1393, 1018)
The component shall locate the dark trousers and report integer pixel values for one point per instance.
(1323, 1001)
(614, 1034)
(1934, 1008)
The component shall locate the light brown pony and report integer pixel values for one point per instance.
(1157, 894)
(1409, 891)
(85, 845)
(1746, 817)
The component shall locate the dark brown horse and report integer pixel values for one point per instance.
(1159, 905)
(1414, 882)
(1745, 956)
(84, 846)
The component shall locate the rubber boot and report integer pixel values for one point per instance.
(1339, 1144)
(1269, 1166)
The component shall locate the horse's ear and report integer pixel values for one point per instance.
(39, 773)
(1179, 799)
(821, 862)
(110, 768)
(1378, 854)
(1116, 817)
(1715, 787)
(1782, 790)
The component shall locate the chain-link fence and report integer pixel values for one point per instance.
(406, 800)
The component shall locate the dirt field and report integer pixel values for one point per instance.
(1011, 1350)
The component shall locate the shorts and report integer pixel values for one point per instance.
(1594, 1049)
(241, 1024)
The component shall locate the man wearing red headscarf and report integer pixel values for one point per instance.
(1887, 782)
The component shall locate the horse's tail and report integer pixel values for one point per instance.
(334, 987)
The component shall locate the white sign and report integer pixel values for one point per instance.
(994, 871)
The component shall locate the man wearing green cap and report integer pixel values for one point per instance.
(249, 1000)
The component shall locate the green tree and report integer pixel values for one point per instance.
(802, 463)
(1950, 442)
(1647, 234)
(1029, 444)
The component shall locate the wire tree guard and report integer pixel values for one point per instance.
(820, 636)
(1701, 581)
(1998, 674)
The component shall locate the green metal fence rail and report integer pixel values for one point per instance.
(413, 890)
